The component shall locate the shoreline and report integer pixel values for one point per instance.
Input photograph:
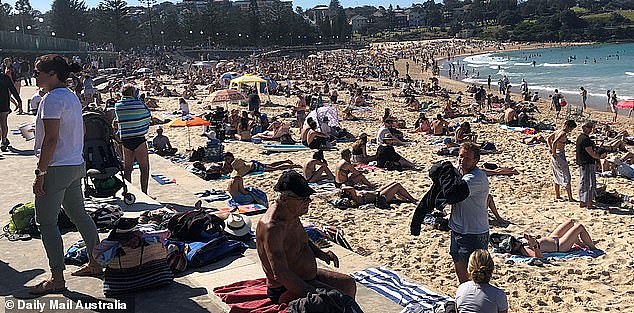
(571, 97)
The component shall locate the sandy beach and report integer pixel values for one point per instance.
(526, 200)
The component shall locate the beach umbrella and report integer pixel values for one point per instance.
(188, 121)
(625, 104)
(328, 111)
(226, 95)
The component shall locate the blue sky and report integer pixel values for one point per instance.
(45, 5)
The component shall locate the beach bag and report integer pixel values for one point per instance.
(218, 248)
(22, 220)
(563, 103)
(106, 215)
(188, 226)
(77, 254)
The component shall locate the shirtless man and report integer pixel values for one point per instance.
(561, 170)
(287, 256)
(300, 110)
(439, 126)
(317, 170)
(346, 174)
(314, 138)
(510, 116)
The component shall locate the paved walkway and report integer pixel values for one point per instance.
(24, 263)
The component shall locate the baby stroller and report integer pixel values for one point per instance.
(102, 163)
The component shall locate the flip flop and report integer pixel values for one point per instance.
(46, 287)
(88, 271)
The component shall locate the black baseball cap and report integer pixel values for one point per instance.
(292, 181)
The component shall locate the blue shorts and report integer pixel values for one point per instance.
(462, 245)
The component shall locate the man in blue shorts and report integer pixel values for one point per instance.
(469, 221)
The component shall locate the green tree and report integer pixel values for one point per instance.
(25, 15)
(68, 17)
(111, 23)
(5, 15)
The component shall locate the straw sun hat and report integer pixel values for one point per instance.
(237, 225)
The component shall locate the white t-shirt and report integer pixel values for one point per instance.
(184, 107)
(35, 100)
(470, 216)
(480, 298)
(380, 135)
(62, 104)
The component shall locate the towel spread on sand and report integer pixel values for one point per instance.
(162, 179)
(248, 296)
(556, 256)
(323, 186)
(415, 298)
(367, 167)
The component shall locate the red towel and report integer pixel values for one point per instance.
(248, 296)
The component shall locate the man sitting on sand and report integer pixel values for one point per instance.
(510, 115)
(162, 145)
(286, 254)
(347, 174)
(360, 152)
(469, 220)
(317, 170)
(313, 138)
(439, 127)
(464, 133)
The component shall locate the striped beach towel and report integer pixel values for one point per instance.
(415, 298)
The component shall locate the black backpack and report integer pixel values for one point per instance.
(188, 226)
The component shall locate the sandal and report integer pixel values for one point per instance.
(48, 287)
(88, 271)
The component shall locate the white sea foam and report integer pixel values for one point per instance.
(629, 73)
(522, 64)
(557, 64)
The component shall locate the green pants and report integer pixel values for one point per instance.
(62, 185)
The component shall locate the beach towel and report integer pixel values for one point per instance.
(248, 174)
(284, 148)
(162, 179)
(367, 167)
(323, 186)
(575, 253)
(246, 209)
(213, 195)
(248, 296)
(526, 130)
(415, 298)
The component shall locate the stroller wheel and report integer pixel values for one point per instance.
(129, 198)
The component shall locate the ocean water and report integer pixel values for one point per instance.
(597, 68)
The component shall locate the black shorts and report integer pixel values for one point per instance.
(4, 108)
(274, 294)
(132, 143)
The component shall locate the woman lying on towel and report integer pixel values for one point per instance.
(562, 239)
(492, 169)
(391, 192)
(276, 130)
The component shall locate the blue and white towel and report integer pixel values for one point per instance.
(557, 256)
(415, 298)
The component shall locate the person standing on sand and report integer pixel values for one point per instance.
(613, 101)
(559, 164)
(59, 144)
(7, 88)
(584, 98)
(489, 82)
(469, 220)
(556, 102)
(586, 157)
